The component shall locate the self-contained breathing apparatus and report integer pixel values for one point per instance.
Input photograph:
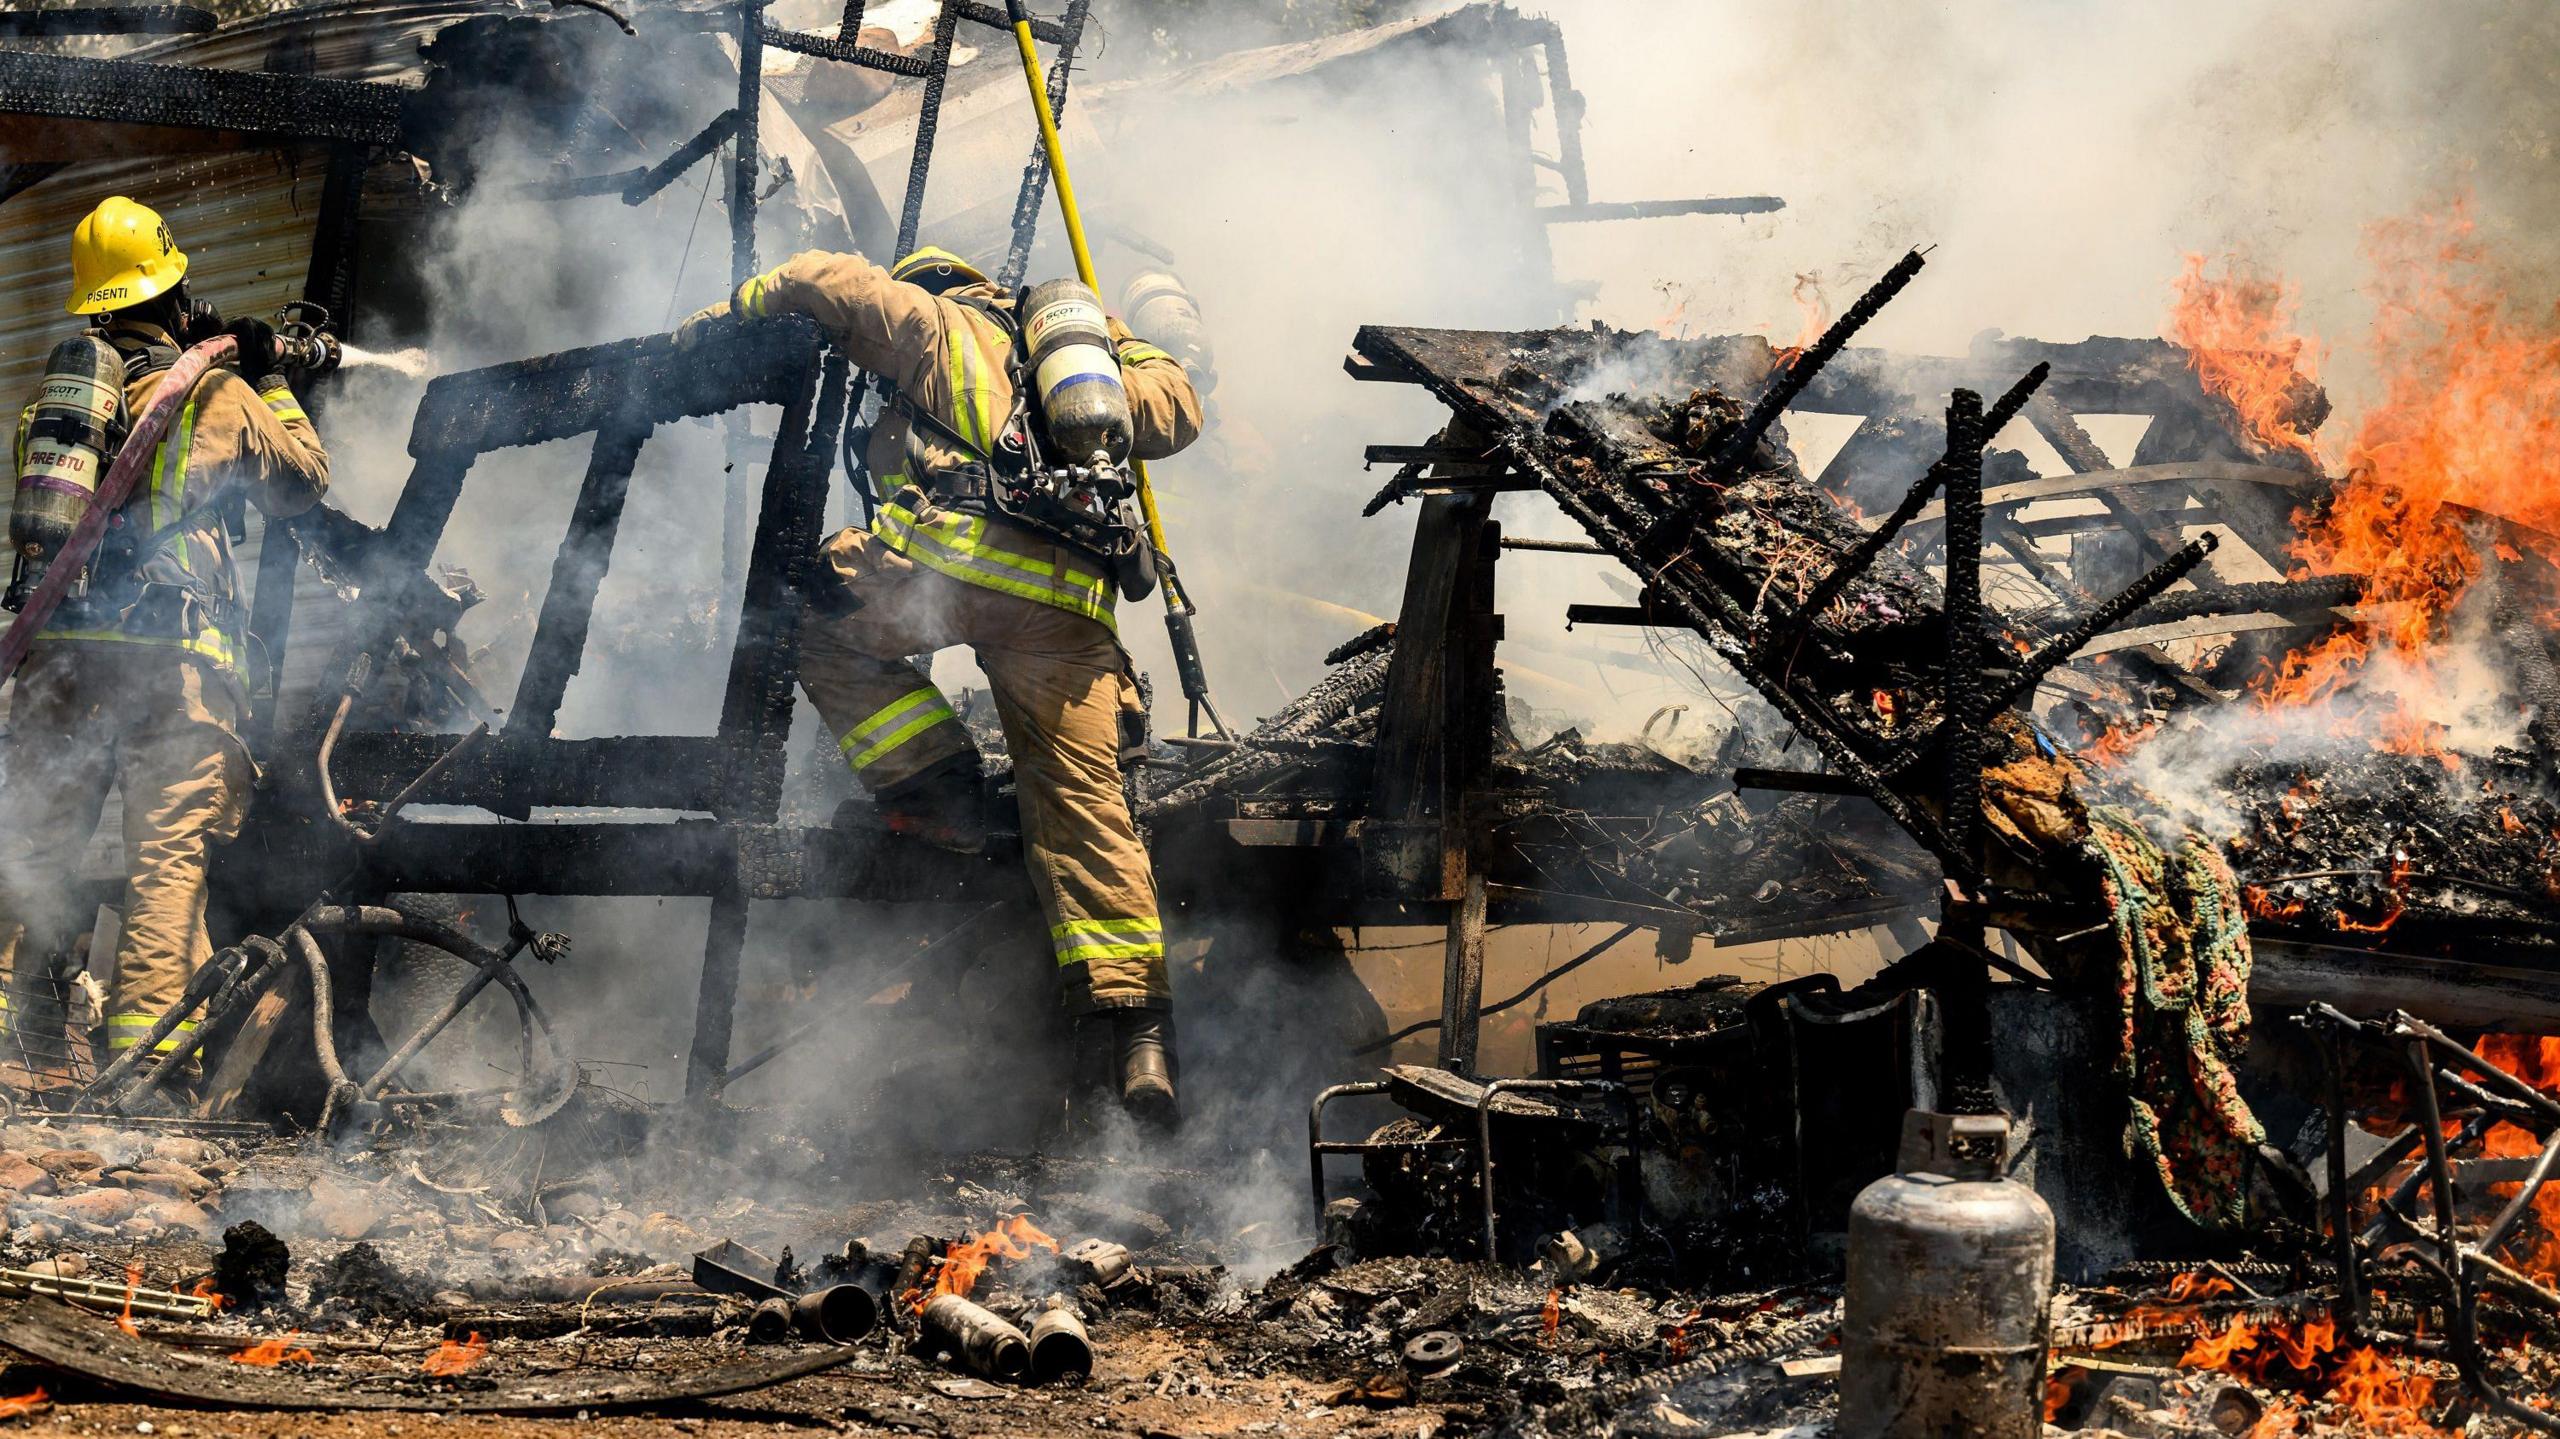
(1068, 401)
(80, 421)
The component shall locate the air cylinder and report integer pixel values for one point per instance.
(1160, 310)
(70, 439)
(1075, 373)
(1944, 1325)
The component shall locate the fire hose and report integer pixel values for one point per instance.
(1178, 608)
(113, 490)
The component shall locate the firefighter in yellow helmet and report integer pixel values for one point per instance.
(136, 684)
(939, 567)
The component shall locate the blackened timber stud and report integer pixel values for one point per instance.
(2031, 672)
(1784, 632)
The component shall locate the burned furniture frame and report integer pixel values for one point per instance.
(618, 393)
(2456, 1098)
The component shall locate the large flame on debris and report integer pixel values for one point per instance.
(2468, 420)
(1014, 1238)
(2239, 331)
(2366, 1385)
(268, 1353)
(2535, 1059)
(451, 1358)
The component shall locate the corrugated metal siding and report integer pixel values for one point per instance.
(244, 220)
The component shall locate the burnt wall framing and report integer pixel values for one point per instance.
(619, 393)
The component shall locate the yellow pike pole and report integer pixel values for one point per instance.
(1178, 608)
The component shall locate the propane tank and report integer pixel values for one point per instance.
(1160, 309)
(70, 438)
(1074, 373)
(1950, 1281)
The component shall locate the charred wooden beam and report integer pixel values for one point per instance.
(1863, 558)
(577, 574)
(264, 106)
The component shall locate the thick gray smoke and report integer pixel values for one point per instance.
(2062, 158)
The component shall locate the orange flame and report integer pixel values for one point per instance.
(2536, 1061)
(2381, 1397)
(1807, 293)
(132, 1282)
(1551, 1316)
(204, 1290)
(268, 1353)
(2240, 335)
(2468, 420)
(19, 1405)
(1014, 1238)
(451, 1358)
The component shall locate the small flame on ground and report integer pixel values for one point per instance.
(1014, 1238)
(132, 1282)
(268, 1353)
(19, 1405)
(1551, 1316)
(2369, 1387)
(452, 1358)
(204, 1290)
(1679, 1335)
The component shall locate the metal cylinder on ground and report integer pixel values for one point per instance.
(837, 1314)
(1075, 373)
(1944, 1324)
(1060, 1349)
(70, 438)
(984, 1342)
(770, 1322)
(1160, 309)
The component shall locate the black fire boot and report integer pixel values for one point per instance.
(945, 806)
(1142, 1042)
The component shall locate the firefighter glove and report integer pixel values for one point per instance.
(699, 322)
(257, 345)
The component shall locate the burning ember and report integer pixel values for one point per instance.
(1012, 1239)
(132, 1282)
(451, 1358)
(268, 1353)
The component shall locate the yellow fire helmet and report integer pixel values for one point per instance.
(121, 255)
(936, 269)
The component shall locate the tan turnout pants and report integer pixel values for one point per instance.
(165, 728)
(1061, 685)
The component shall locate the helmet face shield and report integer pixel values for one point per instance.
(936, 270)
(121, 255)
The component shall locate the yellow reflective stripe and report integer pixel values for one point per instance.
(285, 406)
(1078, 940)
(1149, 925)
(18, 452)
(754, 293)
(963, 413)
(1138, 352)
(211, 644)
(168, 496)
(955, 549)
(911, 714)
(124, 1031)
